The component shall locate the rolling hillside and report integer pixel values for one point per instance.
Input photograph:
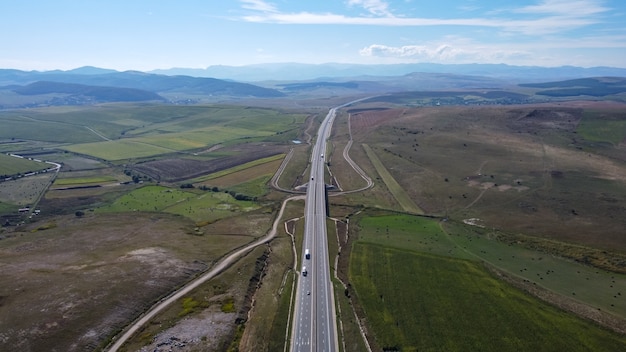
(595, 87)
(85, 92)
(153, 83)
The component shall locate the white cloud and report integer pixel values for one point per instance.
(375, 7)
(444, 53)
(549, 16)
(565, 8)
(258, 5)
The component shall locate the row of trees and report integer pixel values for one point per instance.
(237, 196)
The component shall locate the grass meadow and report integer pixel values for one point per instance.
(10, 165)
(598, 126)
(84, 180)
(598, 288)
(396, 190)
(32, 125)
(202, 207)
(419, 302)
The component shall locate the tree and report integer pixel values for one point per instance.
(79, 213)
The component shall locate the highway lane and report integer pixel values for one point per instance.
(314, 326)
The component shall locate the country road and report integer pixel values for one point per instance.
(218, 268)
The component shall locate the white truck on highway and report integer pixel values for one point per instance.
(307, 254)
(304, 271)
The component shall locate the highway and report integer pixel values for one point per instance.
(314, 325)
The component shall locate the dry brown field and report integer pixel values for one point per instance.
(524, 169)
(72, 282)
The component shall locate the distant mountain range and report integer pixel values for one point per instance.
(89, 85)
(155, 83)
(297, 72)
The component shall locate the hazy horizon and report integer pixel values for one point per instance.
(146, 35)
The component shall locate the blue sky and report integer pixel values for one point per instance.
(146, 35)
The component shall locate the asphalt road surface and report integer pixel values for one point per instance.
(314, 326)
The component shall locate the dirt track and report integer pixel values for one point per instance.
(218, 268)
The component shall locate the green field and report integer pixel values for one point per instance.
(32, 125)
(596, 126)
(150, 145)
(200, 207)
(118, 149)
(401, 196)
(128, 131)
(83, 180)
(461, 241)
(421, 302)
(10, 165)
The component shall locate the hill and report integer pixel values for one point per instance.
(595, 87)
(80, 92)
(140, 80)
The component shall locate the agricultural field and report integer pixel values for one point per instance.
(129, 131)
(562, 275)
(200, 167)
(596, 129)
(417, 301)
(70, 181)
(10, 165)
(26, 190)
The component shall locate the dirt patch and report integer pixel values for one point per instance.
(362, 121)
(68, 283)
(202, 332)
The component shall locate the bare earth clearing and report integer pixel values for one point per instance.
(68, 284)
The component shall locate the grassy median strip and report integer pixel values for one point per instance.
(394, 187)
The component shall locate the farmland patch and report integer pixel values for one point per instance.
(416, 301)
(25, 190)
(10, 165)
(180, 169)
